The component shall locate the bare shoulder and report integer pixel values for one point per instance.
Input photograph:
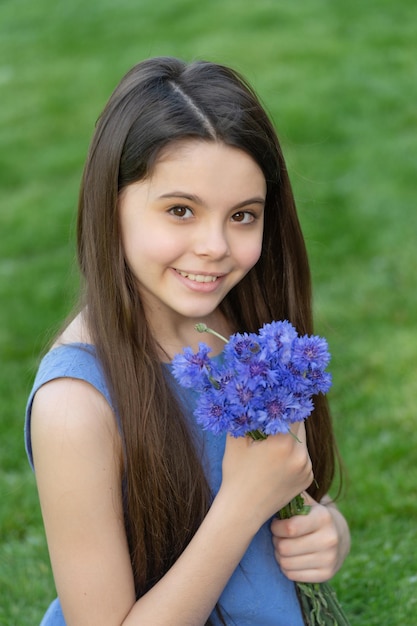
(76, 331)
(70, 417)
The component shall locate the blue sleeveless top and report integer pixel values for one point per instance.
(257, 593)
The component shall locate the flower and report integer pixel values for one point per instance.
(264, 384)
(193, 369)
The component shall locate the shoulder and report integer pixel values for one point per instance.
(76, 331)
(71, 418)
(71, 360)
(69, 390)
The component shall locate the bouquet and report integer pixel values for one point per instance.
(264, 383)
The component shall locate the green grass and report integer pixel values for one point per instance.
(340, 81)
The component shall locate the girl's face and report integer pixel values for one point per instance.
(193, 228)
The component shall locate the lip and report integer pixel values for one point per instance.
(204, 282)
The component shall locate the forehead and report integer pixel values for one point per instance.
(198, 161)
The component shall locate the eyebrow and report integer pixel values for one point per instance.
(193, 198)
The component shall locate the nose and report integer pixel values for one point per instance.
(212, 241)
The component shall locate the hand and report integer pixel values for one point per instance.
(311, 548)
(260, 477)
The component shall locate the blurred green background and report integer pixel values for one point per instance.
(340, 82)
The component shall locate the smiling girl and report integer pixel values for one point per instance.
(186, 215)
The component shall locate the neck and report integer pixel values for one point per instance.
(173, 338)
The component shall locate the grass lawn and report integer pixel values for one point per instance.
(340, 81)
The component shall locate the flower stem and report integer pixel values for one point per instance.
(203, 328)
(295, 507)
(257, 435)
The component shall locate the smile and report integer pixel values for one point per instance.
(198, 278)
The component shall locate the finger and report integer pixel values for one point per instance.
(306, 568)
(296, 526)
(313, 575)
(294, 547)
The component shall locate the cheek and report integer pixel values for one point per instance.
(144, 249)
(250, 253)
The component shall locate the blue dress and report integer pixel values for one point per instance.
(257, 593)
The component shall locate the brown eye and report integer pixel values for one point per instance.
(243, 217)
(180, 211)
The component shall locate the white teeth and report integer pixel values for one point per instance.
(198, 278)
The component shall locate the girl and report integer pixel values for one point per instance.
(186, 215)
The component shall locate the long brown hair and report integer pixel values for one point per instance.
(160, 101)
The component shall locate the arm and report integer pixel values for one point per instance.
(312, 548)
(77, 461)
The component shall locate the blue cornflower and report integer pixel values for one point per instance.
(241, 347)
(241, 418)
(192, 369)
(212, 412)
(239, 393)
(243, 401)
(310, 352)
(257, 372)
(264, 383)
(280, 406)
(319, 381)
(241, 424)
(276, 340)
